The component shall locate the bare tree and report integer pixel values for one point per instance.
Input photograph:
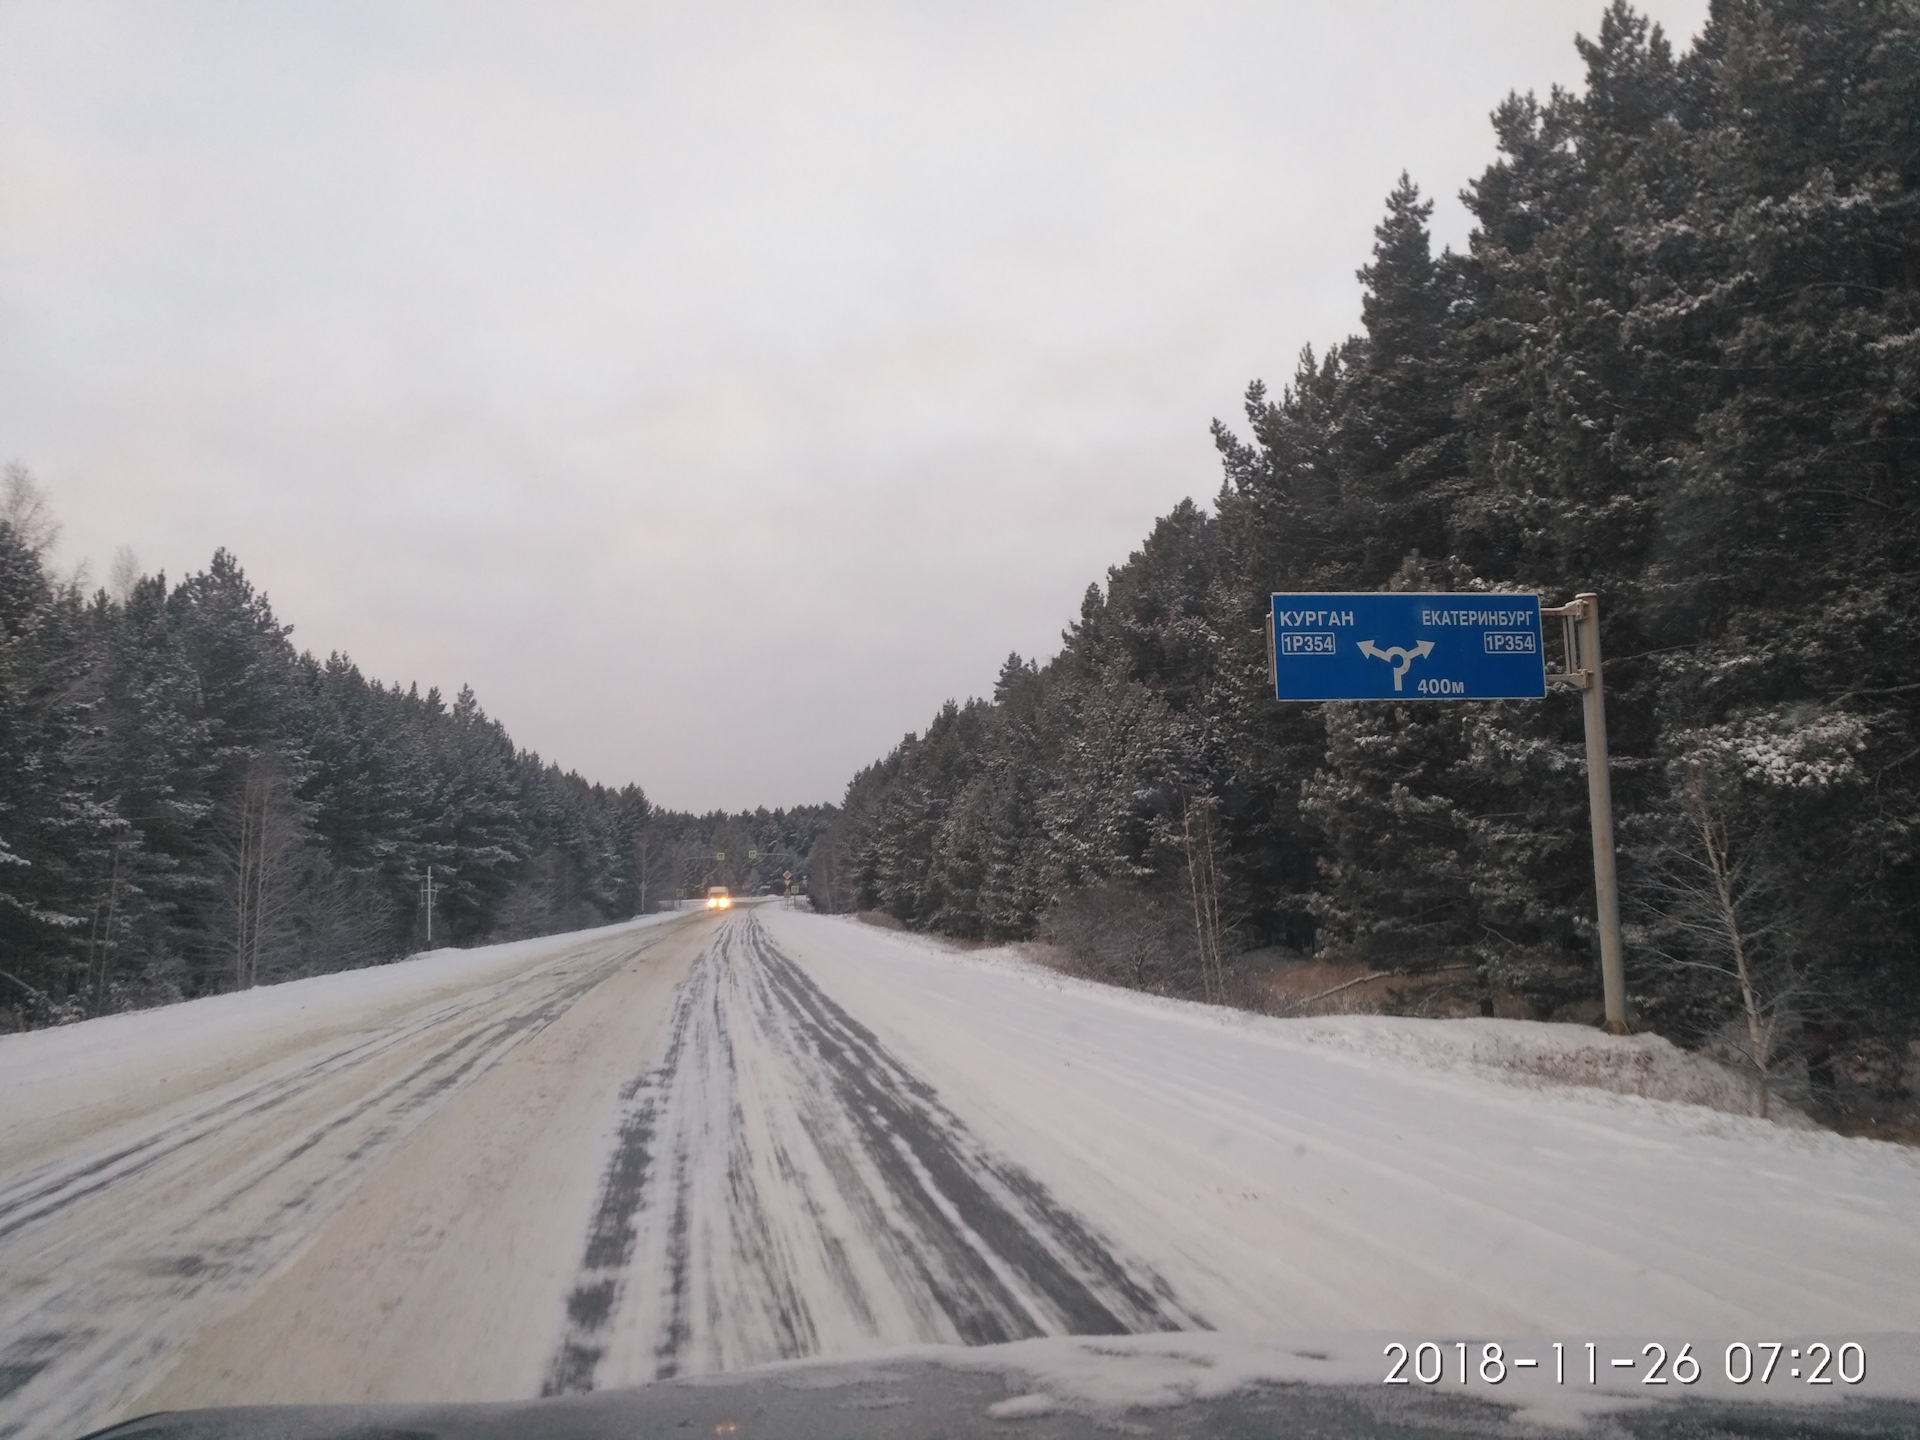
(1203, 889)
(1120, 935)
(263, 850)
(343, 919)
(1713, 902)
(23, 506)
(124, 574)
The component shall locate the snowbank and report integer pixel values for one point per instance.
(1534, 1052)
(1353, 1173)
(115, 1065)
(1521, 1052)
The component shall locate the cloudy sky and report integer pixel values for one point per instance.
(716, 387)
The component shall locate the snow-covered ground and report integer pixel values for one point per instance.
(703, 1143)
(78, 1078)
(1327, 1174)
(420, 1137)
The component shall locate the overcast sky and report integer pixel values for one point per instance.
(717, 388)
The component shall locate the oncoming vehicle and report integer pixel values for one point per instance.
(719, 898)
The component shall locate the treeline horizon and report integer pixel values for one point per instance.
(1677, 365)
(188, 804)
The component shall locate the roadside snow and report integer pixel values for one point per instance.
(1532, 1052)
(390, 1184)
(58, 1083)
(364, 1180)
(1521, 1052)
(1363, 1174)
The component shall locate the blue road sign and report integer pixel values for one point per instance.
(1408, 647)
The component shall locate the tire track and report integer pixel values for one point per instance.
(111, 1258)
(43, 1192)
(781, 1185)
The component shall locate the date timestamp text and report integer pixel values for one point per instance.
(1759, 1362)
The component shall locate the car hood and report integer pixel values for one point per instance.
(1065, 1389)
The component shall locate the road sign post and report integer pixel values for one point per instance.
(1405, 647)
(1580, 623)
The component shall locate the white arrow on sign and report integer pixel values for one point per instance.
(1397, 656)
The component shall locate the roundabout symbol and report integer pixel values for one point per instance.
(1398, 656)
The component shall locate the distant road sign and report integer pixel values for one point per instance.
(1407, 647)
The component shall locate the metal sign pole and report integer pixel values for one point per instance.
(1582, 629)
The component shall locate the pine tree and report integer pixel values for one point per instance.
(54, 835)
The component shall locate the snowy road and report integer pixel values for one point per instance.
(784, 1186)
(700, 1143)
(164, 1168)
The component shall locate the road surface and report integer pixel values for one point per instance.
(699, 1143)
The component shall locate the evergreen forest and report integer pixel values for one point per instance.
(189, 805)
(1677, 365)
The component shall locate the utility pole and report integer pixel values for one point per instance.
(101, 937)
(1580, 623)
(429, 893)
(707, 857)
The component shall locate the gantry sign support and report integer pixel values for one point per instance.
(1402, 647)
